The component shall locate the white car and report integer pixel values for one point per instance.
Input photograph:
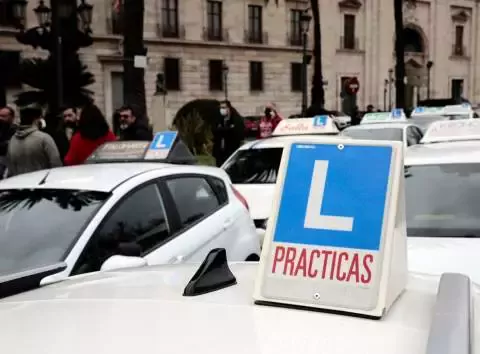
(424, 116)
(253, 168)
(140, 310)
(83, 215)
(442, 199)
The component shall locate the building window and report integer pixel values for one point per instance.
(255, 24)
(171, 69)
(10, 63)
(256, 76)
(214, 20)
(7, 17)
(458, 46)
(348, 41)
(295, 27)
(457, 88)
(296, 77)
(170, 19)
(215, 71)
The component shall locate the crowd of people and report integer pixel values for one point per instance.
(27, 147)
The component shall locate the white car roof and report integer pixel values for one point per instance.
(378, 126)
(281, 141)
(443, 153)
(101, 177)
(142, 310)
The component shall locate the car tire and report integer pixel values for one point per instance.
(253, 258)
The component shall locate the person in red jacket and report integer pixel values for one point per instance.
(269, 122)
(92, 131)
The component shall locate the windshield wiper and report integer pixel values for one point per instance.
(27, 280)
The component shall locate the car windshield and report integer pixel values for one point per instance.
(254, 166)
(442, 200)
(391, 134)
(39, 226)
(425, 121)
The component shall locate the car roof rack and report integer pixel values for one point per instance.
(16, 283)
(451, 331)
(140, 151)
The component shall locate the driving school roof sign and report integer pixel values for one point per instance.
(452, 130)
(396, 115)
(427, 111)
(297, 126)
(323, 247)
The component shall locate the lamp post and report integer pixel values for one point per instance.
(385, 88)
(305, 19)
(57, 32)
(390, 82)
(429, 67)
(225, 80)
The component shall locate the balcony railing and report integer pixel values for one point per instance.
(458, 50)
(215, 34)
(348, 43)
(252, 37)
(294, 39)
(171, 31)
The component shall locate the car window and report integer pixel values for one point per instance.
(254, 166)
(442, 200)
(391, 134)
(138, 221)
(38, 227)
(413, 137)
(193, 197)
(220, 189)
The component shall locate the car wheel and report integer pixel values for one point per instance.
(253, 258)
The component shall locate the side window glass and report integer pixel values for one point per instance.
(139, 222)
(411, 139)
(193, 197)
(220, 190)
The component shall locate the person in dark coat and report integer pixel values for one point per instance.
(228, 133)
(7, 129)
(131, 127)
(66, 129)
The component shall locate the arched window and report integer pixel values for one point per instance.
(413, 41)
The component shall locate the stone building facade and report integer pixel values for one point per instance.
(190, 40)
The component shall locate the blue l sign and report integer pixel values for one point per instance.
(163, 140)
(334, 196)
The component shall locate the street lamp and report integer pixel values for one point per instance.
(85, 12)
(385, 86)
(44, 14)
(429, 67)
(305, 19)
(390, 82)
(225, 80)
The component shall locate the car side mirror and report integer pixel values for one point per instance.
(123, 262)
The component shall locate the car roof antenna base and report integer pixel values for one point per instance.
(213, 274)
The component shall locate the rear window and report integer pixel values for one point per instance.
(390, 134)
(254, 166)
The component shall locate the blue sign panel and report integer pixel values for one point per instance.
(419, 110)
(334, 196)
(163, 140)
(320, 121)
(397, 113)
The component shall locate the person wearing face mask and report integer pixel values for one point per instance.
(31, 149)
(227, 132)
(66, 128)
(7, 129)
(269, 122)
(132, 128)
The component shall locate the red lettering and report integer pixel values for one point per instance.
(367, 262)
(334, 262)
(312, 273)
(354, 270)
(289, 261)
(343, 256)
(279, 255)
(302, 263)
(326, 255)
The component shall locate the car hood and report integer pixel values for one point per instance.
(438, 255)
(143, 311)
(259, 198)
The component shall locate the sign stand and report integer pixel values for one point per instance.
(334, 243)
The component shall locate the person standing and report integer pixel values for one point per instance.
(92, 131)
(31, 149)
(66, 128)
(269, 122)
(228, 133)
(7, 129)
(131, 128)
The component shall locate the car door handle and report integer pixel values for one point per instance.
(227, 223)
(177, 259)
